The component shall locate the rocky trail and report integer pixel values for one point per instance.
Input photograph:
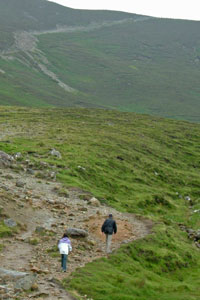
(29, 262)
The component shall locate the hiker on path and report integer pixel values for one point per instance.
(64, 246)
(109, 226)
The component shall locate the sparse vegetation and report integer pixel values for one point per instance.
(53, 252)
(5, 231)
(34, 241)
(1, 247)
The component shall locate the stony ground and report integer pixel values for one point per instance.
(44, 214)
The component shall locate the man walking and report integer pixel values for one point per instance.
(109, 226)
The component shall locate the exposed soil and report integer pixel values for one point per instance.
(38, 205)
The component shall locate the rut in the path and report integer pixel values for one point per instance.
(37, 205)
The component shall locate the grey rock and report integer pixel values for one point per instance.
(39, 229)
(44, 164)
(76, 232)
(41, 294)
(20, 183)
(4, 289)
(4, 187)
(26, 282)
(5, 159)
(17, 155)
(10, 223)
(190, 231)
(50, 201)
(197, 236)
(12, 275)
(30, 171)
(56, 153)
(52, 175)
(198, 245)
(94, 202)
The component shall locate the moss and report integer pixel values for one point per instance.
(1, 247)
(5, 231)
(34, 241)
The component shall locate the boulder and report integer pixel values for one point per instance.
(17, 155)
(76, 232)
(43, 164)
(51, 201)
(51, 175)
(4, 187)
(197, 235)
(10, 223)
(20, 183)
(30, 171)
(94, 202)
(11, 275)
(5, 159)
(55, 153)
(26, 282)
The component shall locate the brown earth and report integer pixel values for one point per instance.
(38, 205)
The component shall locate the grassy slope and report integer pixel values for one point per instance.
(23, 84)
(161, 159)
(40, 15)
(149, 67)
(29, 87)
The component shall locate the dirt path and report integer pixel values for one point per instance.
(37, 207)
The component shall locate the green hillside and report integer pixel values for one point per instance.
(138, 164)
(148, 66)
(56, 56)
(42, 14)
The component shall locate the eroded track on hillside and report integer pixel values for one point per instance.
(26, 42)
(37, 206)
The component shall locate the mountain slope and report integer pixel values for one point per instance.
(137, 164)
(57, 56)
(148, 66)
(42, 15)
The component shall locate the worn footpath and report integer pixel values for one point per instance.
(29, 261)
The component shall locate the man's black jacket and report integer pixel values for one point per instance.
(109, 226)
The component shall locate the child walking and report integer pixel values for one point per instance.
(64, 246)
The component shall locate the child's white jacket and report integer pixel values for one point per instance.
(64, 246)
